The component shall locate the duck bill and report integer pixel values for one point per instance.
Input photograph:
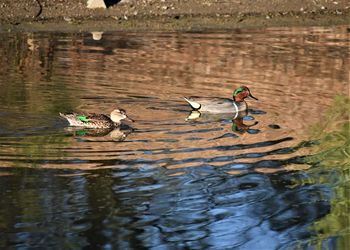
(127, 118)
(253, 97)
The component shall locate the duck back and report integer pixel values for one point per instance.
(215, 105)
(91, 120)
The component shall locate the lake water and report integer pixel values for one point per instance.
(277, 178)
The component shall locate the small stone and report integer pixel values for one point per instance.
(94, 4)
(335, 2)
(125, 1)
(323, 8)
(338, 12)
(67, 19)
(165, 7)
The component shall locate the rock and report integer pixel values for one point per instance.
(67, 19)
(127, 2)
(94, 4)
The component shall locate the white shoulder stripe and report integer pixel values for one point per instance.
(235, 105)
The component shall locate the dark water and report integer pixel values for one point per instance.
(277, 178)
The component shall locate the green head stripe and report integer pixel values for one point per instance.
(238, 90)
(82, 118)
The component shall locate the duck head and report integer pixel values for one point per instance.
(119, 114)
(241, 93)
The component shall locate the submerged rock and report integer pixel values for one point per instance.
(97, 35)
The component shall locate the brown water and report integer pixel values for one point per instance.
(166, 182)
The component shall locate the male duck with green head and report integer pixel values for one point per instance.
(222, 105)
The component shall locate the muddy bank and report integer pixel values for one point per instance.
(68, 15)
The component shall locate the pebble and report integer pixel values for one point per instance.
(67, 19)
(94, 4)
(338, 12)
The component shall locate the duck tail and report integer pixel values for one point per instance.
(193, 104)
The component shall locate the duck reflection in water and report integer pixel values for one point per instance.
(238, 120)
(116, 134)
(238, 126)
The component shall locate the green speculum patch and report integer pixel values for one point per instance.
(83, 118)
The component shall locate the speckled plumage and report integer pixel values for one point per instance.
(96, 120)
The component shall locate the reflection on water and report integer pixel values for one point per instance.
(116, 134)
(177, 179)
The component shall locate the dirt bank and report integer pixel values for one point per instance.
(73, 15)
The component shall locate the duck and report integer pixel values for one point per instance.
(222, 105)
(97, 121)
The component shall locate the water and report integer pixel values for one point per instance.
(275, 179)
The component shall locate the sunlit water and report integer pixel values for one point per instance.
(166, 181)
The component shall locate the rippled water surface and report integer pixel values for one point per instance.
(277, 178)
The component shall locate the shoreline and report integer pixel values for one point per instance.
(55, 16)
